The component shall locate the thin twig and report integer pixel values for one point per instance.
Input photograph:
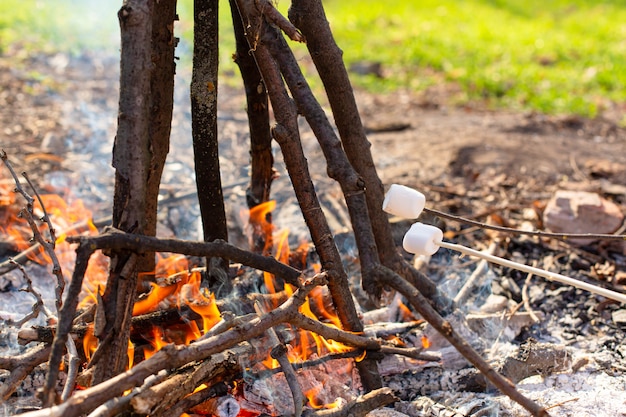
(560, 236)
(30, 218)
(468, 286)
(279, 352)
(359, 407)
(45, 218)
(119, 241)
(268, 10)
(116, 405)
(38, 306)
(72, 370)
(525, 298)
(49, 248)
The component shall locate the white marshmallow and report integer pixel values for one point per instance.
(422, 239)
(404, 202)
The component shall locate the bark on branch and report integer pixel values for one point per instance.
(310, 18)
(287, 135)
(115, 240)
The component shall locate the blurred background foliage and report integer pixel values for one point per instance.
(552, 56)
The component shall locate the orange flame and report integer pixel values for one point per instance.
(155, 296)
(90, 343)
(258, 219)
(205, 306)
(317, 403)
(407, 314)
(425, 342)
(157, 343)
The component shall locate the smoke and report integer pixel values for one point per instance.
(88, 24)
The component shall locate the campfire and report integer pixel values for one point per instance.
(134, 324)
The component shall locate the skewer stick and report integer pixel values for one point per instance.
(552, 276)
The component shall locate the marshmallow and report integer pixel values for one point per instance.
(422, 239)
(404, 202)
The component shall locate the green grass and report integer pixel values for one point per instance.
(67, 25)
(551, 56)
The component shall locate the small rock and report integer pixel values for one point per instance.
(367, 68)
(581, 212)
(619, 317)
(494, 304)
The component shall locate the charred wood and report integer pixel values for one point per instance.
(172, 356)
(204, 90)
(226, 406)
(159, 398)
(114, 240)
(117, 405)
(195, 401)
(287, 135)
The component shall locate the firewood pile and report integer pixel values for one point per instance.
(345, 325)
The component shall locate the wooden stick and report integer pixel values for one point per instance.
(118, 404)
(286, 133)
(116, 240)
(161, 397)
(361, 406)
(20, 366)
(279, 352)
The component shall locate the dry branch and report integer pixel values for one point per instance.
(310, 18)
(37, 306)
(262, 171)
(72, 368)
(279, 352)
(172, 356)
(116, 240)
(216, 391)
(28, 213)
(287, 135)
(159, 398)
(20, 366)
(339, 168)
(267, 9)
(118, 404)
(359, 407)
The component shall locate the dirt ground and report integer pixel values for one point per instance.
(49, 104)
